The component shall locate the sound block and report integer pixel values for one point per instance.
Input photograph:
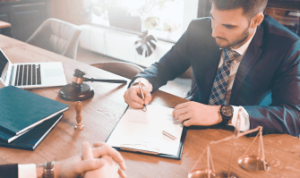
(76, 92)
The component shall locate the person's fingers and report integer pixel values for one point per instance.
(183, 117)
(179, 107)
(107, 150)
(182, 105)
(89, 165)
(135, 95)
(121, 173)
(188, 122)
(98, 144)
(86, 151)
(131, 102)
(177, 112)
(148, 97)
(135, 105)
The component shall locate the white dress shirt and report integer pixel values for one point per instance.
(27, 171)
(244, 116)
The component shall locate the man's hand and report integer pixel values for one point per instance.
(193, 113)
(109, 154)
(77, 165)
(133, 98)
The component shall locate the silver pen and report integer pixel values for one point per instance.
(143, 97)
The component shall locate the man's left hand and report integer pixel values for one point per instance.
(193, 113)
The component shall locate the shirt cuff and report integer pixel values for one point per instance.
(145, 82)
(26, 170)
(244, 118)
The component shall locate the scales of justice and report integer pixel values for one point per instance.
(251, 163)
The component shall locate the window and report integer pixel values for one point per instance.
(165, 19)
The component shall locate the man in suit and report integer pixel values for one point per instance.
(238, 56)
(90, 164)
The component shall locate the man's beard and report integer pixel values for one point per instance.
(238, 41)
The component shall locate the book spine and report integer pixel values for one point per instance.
(3, 139)
(16, 146)
(8, 130)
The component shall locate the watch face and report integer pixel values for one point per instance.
(226, 111)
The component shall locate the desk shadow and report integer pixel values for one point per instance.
(227, 127)
(103, 95)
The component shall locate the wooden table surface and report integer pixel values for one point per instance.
(102, 112)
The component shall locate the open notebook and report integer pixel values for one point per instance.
(144, 132)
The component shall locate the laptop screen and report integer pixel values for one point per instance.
(3, 66)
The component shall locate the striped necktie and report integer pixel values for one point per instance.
(218, 92)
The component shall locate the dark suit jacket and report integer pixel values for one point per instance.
(270, 65)
(9, 170)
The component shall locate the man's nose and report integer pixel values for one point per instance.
(215, 31)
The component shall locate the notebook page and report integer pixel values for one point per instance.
(138, 128)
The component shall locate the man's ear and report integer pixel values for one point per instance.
(257, 20)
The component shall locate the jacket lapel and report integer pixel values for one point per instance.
(252, 54)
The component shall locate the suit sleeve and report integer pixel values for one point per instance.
(283, 115)
(174, 63)
(9, 170)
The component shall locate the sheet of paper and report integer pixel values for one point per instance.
(145, 129)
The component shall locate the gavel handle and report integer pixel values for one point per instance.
(104, 80)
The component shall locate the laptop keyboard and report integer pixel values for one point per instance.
(28, 74)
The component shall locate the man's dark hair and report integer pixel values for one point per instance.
(250, 7)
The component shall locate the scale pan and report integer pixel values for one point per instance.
(252, 163)
(201, 173)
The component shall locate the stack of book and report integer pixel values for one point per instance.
(26, 118)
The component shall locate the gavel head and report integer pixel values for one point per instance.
(77, 90)
(78, 76)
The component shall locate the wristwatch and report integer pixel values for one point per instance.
(49, 169)
(226, 112)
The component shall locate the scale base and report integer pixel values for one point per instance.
(252, 163)
(76, 92)
(224, 174)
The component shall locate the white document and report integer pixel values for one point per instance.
(144, 130)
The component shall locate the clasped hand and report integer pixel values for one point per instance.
(91, 163)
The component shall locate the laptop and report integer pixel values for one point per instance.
(31, 75)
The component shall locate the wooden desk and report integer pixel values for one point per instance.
(102, 112)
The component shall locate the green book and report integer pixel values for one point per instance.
(31, 139)
(21, 110)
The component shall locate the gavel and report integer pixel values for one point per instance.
(78, 91)
(79, 79)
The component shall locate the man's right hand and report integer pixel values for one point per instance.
(133, 97)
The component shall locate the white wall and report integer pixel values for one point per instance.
(190, 12)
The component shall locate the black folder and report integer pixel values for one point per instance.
(21, 110)
(31, 139)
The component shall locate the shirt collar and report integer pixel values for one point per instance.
(242, 49)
